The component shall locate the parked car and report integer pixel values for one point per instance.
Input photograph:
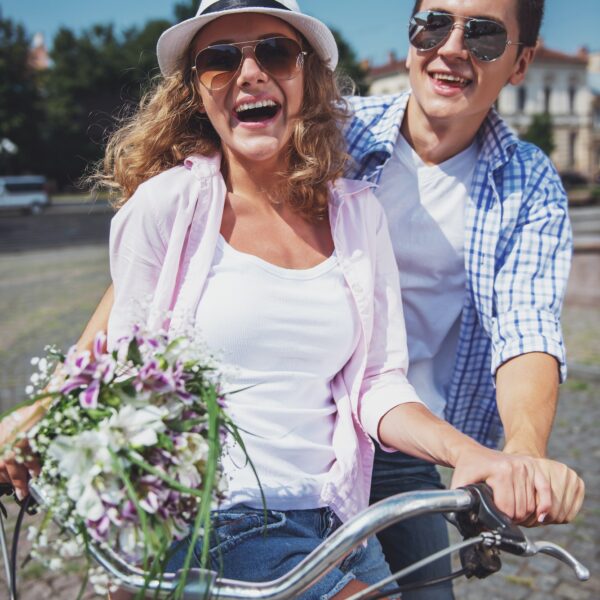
(26, 192)
(573, 179)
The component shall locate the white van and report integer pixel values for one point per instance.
(25, 192)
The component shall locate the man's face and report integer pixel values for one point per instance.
(450, 84)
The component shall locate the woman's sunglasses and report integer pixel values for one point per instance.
(485, 39)
(280, 57)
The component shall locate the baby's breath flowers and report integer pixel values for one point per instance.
(129, 444)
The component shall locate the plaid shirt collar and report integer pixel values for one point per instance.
(369, 137)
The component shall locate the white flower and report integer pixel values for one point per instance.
(136, 427)
(192, 449)
(89, 505)
(128, 542)
(83, 455)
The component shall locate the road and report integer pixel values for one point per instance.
(72, 223)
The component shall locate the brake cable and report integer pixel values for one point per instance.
(367, 593)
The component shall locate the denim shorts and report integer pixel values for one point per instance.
(243, 548)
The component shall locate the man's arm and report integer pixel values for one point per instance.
(528, 351)
(527, 395)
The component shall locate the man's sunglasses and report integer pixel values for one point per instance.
(485, 39)
(280, 57)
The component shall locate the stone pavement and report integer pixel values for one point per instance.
(48, 296)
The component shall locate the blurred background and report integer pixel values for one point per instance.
(68, 69)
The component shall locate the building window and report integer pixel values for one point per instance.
(572, 96)
(521, 98)
(572, 145)
(547, 98)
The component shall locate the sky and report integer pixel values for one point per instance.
(373, 33)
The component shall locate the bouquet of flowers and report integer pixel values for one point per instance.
(130, 445)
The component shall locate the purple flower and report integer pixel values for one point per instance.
(89, 397)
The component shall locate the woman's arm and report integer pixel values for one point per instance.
(15, 472)
(98, 321)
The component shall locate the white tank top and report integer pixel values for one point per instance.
(282, 335)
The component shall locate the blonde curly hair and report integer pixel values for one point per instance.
(167, 127)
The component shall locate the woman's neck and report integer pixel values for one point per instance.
(255, 181)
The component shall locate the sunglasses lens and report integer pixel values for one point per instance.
(217, 65)
(279, 56)
(486, 40)
(429, 29)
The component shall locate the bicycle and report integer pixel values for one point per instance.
(485, 530)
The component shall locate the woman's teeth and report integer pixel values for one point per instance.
(262, 110)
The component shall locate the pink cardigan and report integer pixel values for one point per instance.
(162, 244)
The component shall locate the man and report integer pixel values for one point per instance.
(482, 238)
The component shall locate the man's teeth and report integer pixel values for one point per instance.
(255, 105)
(450, 78)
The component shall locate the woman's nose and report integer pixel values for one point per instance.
(250, 69)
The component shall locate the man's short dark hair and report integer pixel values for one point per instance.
(529, 16)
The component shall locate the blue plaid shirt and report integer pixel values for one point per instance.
(518, 248)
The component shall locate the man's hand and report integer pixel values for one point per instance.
(528, 490)
(568, 491)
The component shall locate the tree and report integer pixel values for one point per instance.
(349, 66)
(20, 110)
(541, 133)
(94, 77)
(185, 10)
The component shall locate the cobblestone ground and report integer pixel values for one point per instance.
(47, 296)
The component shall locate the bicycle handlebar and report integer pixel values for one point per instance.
(472, 507)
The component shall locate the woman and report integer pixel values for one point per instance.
(234, 216)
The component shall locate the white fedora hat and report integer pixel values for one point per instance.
(174, 42)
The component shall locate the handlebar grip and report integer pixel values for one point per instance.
(6, 489)
(485, 516)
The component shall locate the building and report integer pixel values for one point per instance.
(38, 54)
(567, 86)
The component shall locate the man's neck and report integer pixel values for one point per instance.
(437, 140)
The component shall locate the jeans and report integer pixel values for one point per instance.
(244, 548)
(408, 541)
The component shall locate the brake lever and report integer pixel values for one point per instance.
(484, 516)
(551, 549)
(506, 536)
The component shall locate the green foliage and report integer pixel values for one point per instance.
(20, 113)
(540, 132)
(95, 76)
(349, 66)
(185, 10)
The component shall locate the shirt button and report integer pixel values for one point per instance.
(357, 288)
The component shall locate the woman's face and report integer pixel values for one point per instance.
(246, 133)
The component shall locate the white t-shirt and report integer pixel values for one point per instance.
(282, 335)
(425, 207)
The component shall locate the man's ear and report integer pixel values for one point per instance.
(521, 65)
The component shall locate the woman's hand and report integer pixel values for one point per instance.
(14, 469)
(528, 490)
